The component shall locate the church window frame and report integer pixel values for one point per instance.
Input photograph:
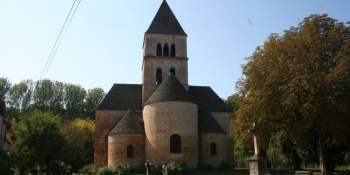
(166, 50)
(173, 50)
(175, 144)
(159, 51)
(213, 149)
(159, 77)
(129, 151)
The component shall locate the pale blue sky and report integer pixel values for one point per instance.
(103, 44)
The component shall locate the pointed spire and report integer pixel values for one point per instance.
(170, 90)
(165, 22)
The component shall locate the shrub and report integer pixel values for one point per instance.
(225, 166)
(138, 170)
(105, 171)
(88, 169)
(157, 168)
(177, 168)
(208, 167)
(122, 168)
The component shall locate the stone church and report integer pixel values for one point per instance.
(164, 119)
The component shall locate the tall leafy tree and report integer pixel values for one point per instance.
(79, 150)
(232, 102)
(74, 99)
(21, 95)
(93, 99)
(5, 87)
(39, 141)
(298, 83)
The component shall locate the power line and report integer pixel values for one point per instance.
(56, 41)
(62, 36)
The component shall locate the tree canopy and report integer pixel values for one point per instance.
(39, 139)
(298, 84)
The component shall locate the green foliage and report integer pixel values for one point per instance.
(122, 168)
(106, 170)
(69, 101)
(225, 166)
(88, 169)
(177, 168)
(5, 86)
(156, 168)
(79, 137)
(347, 158)
(298, 83)
(232, 102)
(5, 162)
(38, 134)
(241, 153)
(138, 170)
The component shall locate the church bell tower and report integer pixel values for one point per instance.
(164, 52)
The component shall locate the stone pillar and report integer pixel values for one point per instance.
(257, 163)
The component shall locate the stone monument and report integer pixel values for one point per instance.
(257, 163)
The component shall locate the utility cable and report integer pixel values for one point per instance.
(56, 41)
(62, 37)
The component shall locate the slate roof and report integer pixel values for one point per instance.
(165, 22)
(206, 98)
(130, 123)
(207, 123)
(170, 90)
(121, 97)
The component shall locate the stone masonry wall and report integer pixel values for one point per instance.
(104, 121)
(151, 41)
(149, 70)
(117, 149)
(224, 119)
(221, 149)
(162, 120)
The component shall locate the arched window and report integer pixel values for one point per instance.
(130, 151)
(175, 144)
(212, 149)
(172, 70)
(166, 50)
(172, 50)
(159, 76)
(159, 49)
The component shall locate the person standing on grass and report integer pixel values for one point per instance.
(165, 169)
(148, 165)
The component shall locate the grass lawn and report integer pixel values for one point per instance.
(242, 172)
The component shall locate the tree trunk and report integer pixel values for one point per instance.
(325, 159)
(296, 160)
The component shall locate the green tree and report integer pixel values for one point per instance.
(79, 150)
(93, 99)
(298, 83)
(39, 141)
(232, 102)
(49, 96)
(20, 95)
(74, 101)
(5, 86)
